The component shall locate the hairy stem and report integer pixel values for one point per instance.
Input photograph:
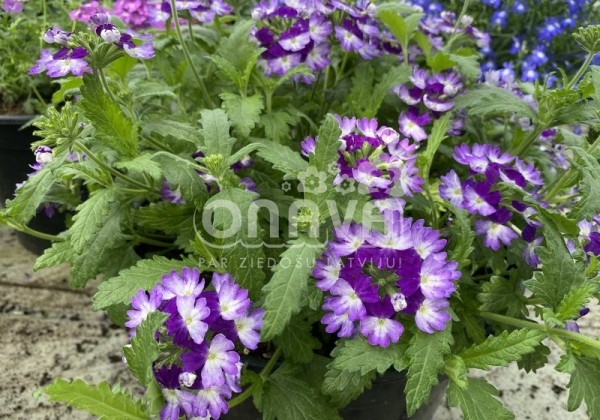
(188, 57)
(581, 70)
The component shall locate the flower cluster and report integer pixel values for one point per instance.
(140, 14)
(66, 60)
(375, 158)
(434, 93)
(203, 368)
(479, 193)
(85, 12)
(100, 23)
(374, 277)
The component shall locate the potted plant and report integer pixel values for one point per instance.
(307, 207)
(22, 97)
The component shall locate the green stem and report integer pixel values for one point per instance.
(37, 233)
(187, 55)
(105, 84)
(581, 70)
(114, 172)
(434, 214)
(520, 323)
(528, 141)
(151, 241)
(560, 182)
(263, 374)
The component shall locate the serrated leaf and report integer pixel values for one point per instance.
(584, 385)
(215, 133)
(589, 187)
(328, 144)
(91, 216)
(531, 362)
(283, 159)
(342, 386)
(285, 396)
(116, 131)
(166, 216)
(478, 401)
(181, 176)
(426, 354)
(90, 263)
(461, 241)
(31, 195)
(144, 348)
(142, 164)
(100, 400)
(357, 355)
(297, 342)
(485, 99)
(175, 129)
(456, 370)
(502, 295)
(144, 89)
(467, 61)
(502, 349)
(145, 275)
(438, 134)
(244, 111)
(576, 300)
(277, 125)
(58, 253)
(285, 292)
(560, 273)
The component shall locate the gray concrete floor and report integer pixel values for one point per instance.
(49, 331)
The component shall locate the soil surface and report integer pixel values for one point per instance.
(48, 331)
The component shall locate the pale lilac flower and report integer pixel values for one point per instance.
(142, 306)
(494, 233)
(432, 315)
(192, 313)
(221, 359)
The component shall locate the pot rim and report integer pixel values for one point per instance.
(19, 119)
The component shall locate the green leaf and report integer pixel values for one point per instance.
(99, 401)
(277, 125)
(342, 386)
(91, 216)
(502, 295)
(68, 86)
(283, 159)
(117, 131)
(174, 129)
(426, 354)
(531, 362)
(401, 27)
(31, 195)
(456, 370)
(297, 342)
(287, 289)
(584, 385)
(166, 216)
(595, 74)
(215, 133)
(244, 151)
(502, 349)
(285, 396)
(181, 176)
(461, 239)
(589, 188)
(97, 251)
(244, 111)
(58, 253)
(144, 348)
(241, 248)
(575, 300)
(485, 99)
(357, 355)
(142, 164)
(478, 401)
(394, 77)
(560, 273)
(467, 61)
(326, 151)
(439, 132)
(144, 89)
(145, 275)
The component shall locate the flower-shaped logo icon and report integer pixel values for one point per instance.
(312, 181)
(345, 185)
(286, 186)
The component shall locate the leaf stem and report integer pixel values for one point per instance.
(113, 171)
(105, 84)
(520, 323)
(29, 231)
(263, 375)
(187, 55)
(581, 70)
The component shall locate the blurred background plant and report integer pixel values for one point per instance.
(22, 27)
(529, 37)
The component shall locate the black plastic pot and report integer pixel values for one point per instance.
(384, 401)
(15, 158)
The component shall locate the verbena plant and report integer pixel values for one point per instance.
(329, 190)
